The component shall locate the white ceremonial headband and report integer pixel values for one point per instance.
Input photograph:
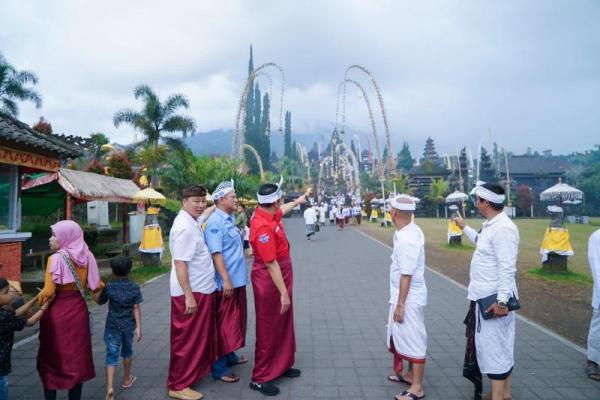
(395, 203)
(222, 190)
(488, 195)
(273, 197)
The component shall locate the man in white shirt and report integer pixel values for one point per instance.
(406, 336)
(339, 217)
(593, 342)
(310, 219)
(491, 342)
(192, 285)
(332, 213)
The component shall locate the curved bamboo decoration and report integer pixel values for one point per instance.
(350, 155)
(390, 157)
(257, 157)
(373, 128)
(238, 139)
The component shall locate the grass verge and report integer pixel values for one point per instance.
(562, 277)
(462, 247)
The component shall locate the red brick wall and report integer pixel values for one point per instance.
(10, 258)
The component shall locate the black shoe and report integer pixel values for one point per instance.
(267, 388)
(292, 373)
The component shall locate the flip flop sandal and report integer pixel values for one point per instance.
(131, 382)
(593, 372)
(398, 379)
(408, 394)
(229, 378)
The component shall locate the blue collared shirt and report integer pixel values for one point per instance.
(222, 236)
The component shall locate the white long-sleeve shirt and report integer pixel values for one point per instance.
(310, 216)
(594, 260)
(494, 263)
(408, 258)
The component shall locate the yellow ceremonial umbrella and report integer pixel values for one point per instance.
(150, 196)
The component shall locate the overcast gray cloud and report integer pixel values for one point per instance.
(529, 71)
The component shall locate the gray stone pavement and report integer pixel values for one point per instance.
(341, 305)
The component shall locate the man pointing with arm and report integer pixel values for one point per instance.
(272, 282)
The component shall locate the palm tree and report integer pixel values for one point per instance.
(13, 88)
(437, 193)
(157, 119)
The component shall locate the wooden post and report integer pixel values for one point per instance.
(68, 207)
(125, 221)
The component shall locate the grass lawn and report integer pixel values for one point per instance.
(531, 232)
(141, 274)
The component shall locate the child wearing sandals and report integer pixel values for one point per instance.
(124, 320)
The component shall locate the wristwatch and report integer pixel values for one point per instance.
(502, 304)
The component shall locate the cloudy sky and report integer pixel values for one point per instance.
(526, 71)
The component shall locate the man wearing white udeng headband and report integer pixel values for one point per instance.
(491, 342)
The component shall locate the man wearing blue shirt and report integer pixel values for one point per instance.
(225, 243)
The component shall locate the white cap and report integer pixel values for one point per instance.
(403, 202)
(221, 190)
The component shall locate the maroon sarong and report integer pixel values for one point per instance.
(65, 355)
(275, 339)
(231, 321)
(193, 341)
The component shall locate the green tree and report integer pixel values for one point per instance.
(287, 138)
(156, 120)
(405, 160)
(97, 140)
(438, 190)
(119, 166)
(402, 182)
(14, 87)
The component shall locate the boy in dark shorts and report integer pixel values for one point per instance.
(124, 320)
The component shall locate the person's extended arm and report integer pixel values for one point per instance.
(275, 273)
(403, 292)
(288, 207)
(31, 321)
(137, 315)
(207, 213)
(470, 232)
(181, 271)
(222, 271)
(25, 307)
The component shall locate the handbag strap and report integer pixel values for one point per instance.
(74, 273)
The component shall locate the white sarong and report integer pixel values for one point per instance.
(495, 343)
(409, 337)
(593, 341)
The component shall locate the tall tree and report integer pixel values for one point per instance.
(156, 120)
(405, 160)
(437, 193)
(287, 138)
(14, 87)
(487, 172)
(463, 162)
(264, 134)
(97, 140)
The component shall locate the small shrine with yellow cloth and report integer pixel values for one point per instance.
(374, 215)
(556, 244)
(454, 231)
(152, 241)
(151, 246)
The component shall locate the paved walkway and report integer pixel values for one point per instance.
(341, 305)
